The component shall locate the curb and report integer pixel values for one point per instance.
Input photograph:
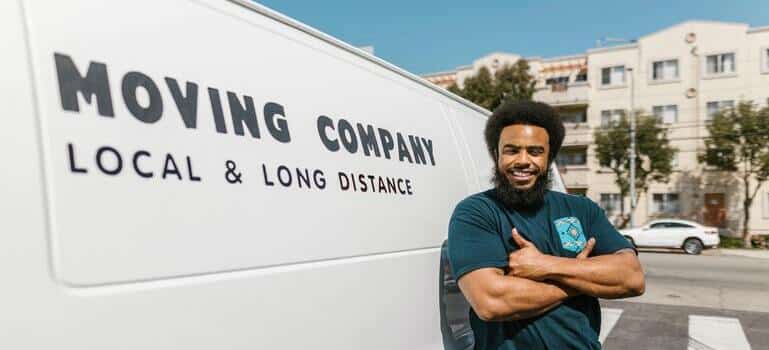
(750, 253)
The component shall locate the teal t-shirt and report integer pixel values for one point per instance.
(480, 235)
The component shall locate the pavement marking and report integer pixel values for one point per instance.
(609, 318)
(716, 333)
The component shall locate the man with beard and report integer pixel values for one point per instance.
(532, 262)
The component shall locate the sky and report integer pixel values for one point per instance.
(424, 36)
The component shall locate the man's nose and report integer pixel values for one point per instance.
(522, 160)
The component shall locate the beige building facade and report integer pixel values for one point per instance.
(683, 74)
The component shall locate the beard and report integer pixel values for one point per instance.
(518, 199)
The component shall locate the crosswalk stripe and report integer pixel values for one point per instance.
(609, 318)
(716, 333)
(705, 332)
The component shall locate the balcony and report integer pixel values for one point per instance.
(563, 94)
(575, 176)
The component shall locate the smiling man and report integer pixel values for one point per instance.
(532, 262)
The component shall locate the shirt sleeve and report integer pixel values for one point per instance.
(607, 239)
(474, 241)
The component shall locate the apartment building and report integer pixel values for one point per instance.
(683, 74)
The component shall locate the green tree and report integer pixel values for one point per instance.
(514, 83)
(509, 83)
(653, 156)
(739, 143)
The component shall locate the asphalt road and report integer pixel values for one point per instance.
(693, 302)
(721, 282)
(662, 327)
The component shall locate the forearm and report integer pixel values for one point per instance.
(606, 276)
(519, 298)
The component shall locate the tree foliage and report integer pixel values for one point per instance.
(509, 83)
(654, 156)
(739, 143)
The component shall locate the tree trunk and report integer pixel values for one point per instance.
(746, 215)
(625, 218)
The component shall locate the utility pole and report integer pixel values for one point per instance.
(632, 147)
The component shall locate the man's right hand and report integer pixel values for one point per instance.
(584, 254)
(528, 262)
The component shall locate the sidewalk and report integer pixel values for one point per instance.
(750, 253)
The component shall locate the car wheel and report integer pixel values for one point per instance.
(630, 240)
(693, 246)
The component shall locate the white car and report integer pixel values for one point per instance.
(670, 233)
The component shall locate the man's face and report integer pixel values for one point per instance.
(523, 154)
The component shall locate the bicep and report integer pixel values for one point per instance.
(481, 286)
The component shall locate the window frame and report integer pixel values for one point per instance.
(764, 59)
(663, 107)
(665, 195)
(709, 117)
(612, 199)
(675, 162)
(610, 110)
(569, 149)
(561, 79)
(611, 84)
(676, 79)
(765, 203)
(717, 75)
(582, 113)
(578, 75)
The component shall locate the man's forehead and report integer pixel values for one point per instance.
(523, 134)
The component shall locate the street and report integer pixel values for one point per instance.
(709, 301)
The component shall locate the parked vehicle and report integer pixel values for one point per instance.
(215, 175)
(669, 233)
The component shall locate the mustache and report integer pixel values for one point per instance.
(533, 168)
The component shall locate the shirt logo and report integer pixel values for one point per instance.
(571, 234)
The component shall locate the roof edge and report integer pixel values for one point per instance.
(613, 48)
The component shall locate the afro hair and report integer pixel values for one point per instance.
(527, 113)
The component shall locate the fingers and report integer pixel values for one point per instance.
(519, 240)
(587, 249)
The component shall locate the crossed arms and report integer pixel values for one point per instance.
(537, 282)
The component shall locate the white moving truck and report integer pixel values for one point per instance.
(186, 174)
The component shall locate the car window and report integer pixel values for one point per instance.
(679, 225)
(659, 225)
(454, 309)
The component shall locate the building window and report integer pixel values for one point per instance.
(766, 60)
(582, 75)
(666, 114)
(674, 162)
(714, 107)
(572, 156)
(577, 191)
(611, 117)
(666, 203)
(610, 203)
(766, 205)
(720, 64)
(665, 70)
(613, 76)
(557, 80)
(574, 117)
